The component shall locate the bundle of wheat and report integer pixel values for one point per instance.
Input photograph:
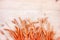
(30, 31)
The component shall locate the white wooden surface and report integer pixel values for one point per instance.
(31, 8)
